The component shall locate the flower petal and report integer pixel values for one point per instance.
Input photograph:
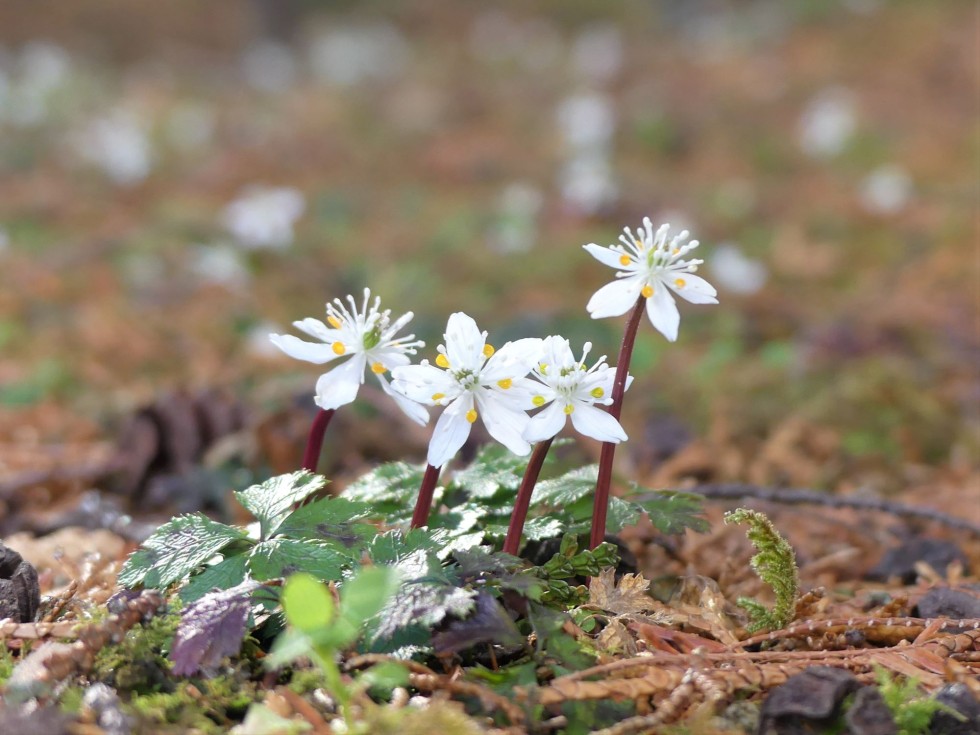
(591, 421)
(421, 382)
(301, 350)
(524, 352)
(614, 298)
(695, 289)
(464, 342)
(451, 431)
(546, 424)
(317, 329)
(663, 313)
(504, 424)
(410, 408)
(606, 256)
(339, 386)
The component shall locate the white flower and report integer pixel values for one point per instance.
(650, 266)
(366, 336)
(570, 390)
(264, 217)
(473, 381)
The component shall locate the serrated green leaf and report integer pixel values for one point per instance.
(391, 547)
(176, 549)
(363, 596)
(495, 470)
(567, 489)
(621, 514)
(390, 487)
(282, 557)
(307, 602)
(224, 575)
(673, 512)
(331, 521)
(271, 501)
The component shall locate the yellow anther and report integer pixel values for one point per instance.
(569, 408)
(675, 251)
(438, 396)
(538, 400)
(488, 350)
(333, 321)
(338, 348)
(505, 383)
(597, 392)
(543, 368)
(378, 368)
(471, 415)
(625, 260)
(442, 361)
(680, 282)
(647, 291)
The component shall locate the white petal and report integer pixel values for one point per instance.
(390, 357)
(546, 424)
(451, 431)
(591, 421)
(410, 408)
(614, 298)
(317, 329)
(421, 382)
(606, 256)
(524, 352)
(464, 342)
(504, 424)
(695, 289)
(314, 352)
(339, 386)
(663, 312)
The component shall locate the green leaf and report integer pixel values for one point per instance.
(176, 549)
(535, 529)
(621, 514)
(330, 521)
(363, 596)
(307, 602)
(673, 512)
(224, 575)
(494, 470)
(283, 557)
(567, 489)
(271, 501)
(393, 546)
(390, 488)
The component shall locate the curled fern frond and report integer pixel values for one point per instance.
(775, 563)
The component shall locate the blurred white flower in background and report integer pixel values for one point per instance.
(886, 190)
(269, 66)
(588, 184)
(597, 53)
(219, 264)
(586, 121)
(36, 75)
(733, 271)
(263, 217)
(349, 56)
(516, 224)
(118, 144)
(828, 122)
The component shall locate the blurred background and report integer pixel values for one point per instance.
(179, 179)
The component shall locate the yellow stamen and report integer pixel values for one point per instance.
(333, 321)
(378, 368)
(675, 251)
(597, 392)
(569, 408)
(338, 348)
(488, 350)
(538, 400)
(438, 396)
(471, 415)
(505, 383)
(647, 291)
(625, 260)
(543, 368)
(680, 282)
(442, 361)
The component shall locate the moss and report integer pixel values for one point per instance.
(139, 662)
(207, 706)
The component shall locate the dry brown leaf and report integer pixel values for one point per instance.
(627, 597)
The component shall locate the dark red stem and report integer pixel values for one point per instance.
(608, 448)
(314, 443)
(516, 528)
(424, 503)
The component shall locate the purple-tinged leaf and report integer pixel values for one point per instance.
(211, 629)
(489, 623)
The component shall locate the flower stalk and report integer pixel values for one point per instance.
(608, 452)
(314, 443)
(512, 542)
(420, 517)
